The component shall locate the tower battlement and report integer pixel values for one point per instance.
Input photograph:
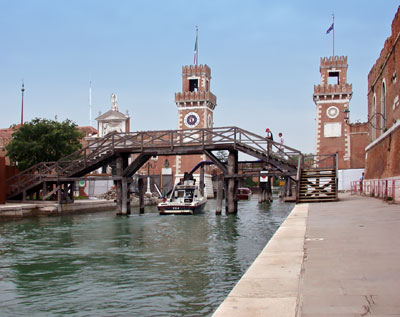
(334, 61)
(196, 70)
(195, 96)
(333, 89)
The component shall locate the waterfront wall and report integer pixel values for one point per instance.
(270, 286)
(18, 210)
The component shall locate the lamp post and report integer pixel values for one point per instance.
(346, 115)
(370, 120)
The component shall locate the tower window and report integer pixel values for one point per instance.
(193, 84)
(333, 78)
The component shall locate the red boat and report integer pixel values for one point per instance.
(243, 193)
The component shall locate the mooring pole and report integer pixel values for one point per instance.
(220, 193)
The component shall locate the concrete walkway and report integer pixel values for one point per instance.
(327, 259)
(352, 259)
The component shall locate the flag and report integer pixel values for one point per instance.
(196, 50)
(330, 29)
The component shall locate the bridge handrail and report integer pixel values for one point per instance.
(312, 161)
(30, 175)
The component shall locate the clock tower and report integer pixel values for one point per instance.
(196, 106)
(332, 97)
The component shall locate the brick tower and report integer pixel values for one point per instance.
(196, 105)
(332, 98)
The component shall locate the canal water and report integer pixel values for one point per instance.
(99, 264)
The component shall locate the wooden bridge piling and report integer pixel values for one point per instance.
(122, 190)
(202, 180)
(220, 194)
(141, 195)
(231, 201)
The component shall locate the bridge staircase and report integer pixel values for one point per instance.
(44, 179)
(318, 179)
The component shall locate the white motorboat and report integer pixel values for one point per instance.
(185, 198)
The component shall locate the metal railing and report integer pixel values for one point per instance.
(386, 189)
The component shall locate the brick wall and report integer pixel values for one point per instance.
(358, 142)
(383, 159)
(383, 153)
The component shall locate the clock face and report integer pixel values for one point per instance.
(332, 112)
(192, 119)
(209, 121)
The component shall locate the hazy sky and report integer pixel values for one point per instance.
(264, 57)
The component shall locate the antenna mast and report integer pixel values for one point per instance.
(90, 102)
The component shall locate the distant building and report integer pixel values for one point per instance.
(89, 132)
(334, 132)
(113, 120)
(382, 171)
(5, 138)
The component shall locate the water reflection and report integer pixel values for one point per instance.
(147, 265)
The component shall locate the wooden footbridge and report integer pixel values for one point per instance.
(57, 179)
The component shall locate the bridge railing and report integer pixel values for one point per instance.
(30, 176)
(327, 161)
(269, 147)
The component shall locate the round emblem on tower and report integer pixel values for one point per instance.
(192, 119)
(332, 112)
(209, 121)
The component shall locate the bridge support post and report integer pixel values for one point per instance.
(202, 180)
(261, 190)
(141, 195)
(44, 190)
(118, 185)
(122, 191)
(232, 182)
(220, 193)
(268, 192)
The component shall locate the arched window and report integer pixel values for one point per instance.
(373, 117)
(383, 106)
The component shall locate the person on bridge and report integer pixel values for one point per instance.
(270, 137)
(281, 140)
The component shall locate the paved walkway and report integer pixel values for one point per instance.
(352, 259)
(327, 259)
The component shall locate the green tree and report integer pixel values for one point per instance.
(43, 140)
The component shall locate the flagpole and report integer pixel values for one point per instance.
(22, 103)
(333, 38)
(197, 40)
(196, 48)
